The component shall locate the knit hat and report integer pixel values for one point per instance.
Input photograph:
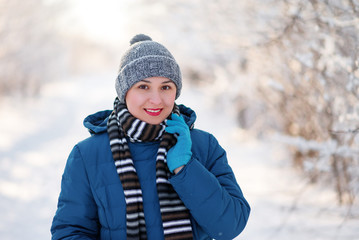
(146, 58)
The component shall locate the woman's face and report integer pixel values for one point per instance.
(152, 99)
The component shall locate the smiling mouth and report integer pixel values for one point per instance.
(153, 111)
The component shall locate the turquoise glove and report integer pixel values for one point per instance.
(180, 153)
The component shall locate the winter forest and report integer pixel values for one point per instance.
(277, 82)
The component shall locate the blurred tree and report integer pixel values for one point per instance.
(313, 91)
(30, 50)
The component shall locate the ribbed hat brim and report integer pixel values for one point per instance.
(146, 67)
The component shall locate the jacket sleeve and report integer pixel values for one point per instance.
(208, 188)
(76, 215)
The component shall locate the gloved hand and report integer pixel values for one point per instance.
(179, 154)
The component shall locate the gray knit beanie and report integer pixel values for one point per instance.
(146, 58)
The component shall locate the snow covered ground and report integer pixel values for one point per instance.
(36, 136)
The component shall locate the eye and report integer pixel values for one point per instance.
(166, 87)
(143, 86)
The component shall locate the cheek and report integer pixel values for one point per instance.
(170, 101)
(132, 102)
(170, 98)
(133, 98)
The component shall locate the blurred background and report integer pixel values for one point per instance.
(277, 82)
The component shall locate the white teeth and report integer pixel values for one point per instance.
(153, 111)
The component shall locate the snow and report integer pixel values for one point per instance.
(37, 135)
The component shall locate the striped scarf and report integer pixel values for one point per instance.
(175, 216)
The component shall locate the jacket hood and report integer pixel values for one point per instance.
(97, 123)
(188, 115)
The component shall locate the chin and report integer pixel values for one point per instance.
(154, 122)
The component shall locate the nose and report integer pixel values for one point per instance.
(155, 98)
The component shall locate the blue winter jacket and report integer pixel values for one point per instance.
(92, 206)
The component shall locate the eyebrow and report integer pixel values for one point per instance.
(147, 81)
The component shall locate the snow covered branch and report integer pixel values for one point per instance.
(313, 89)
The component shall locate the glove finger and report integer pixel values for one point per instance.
(171, 123)
(174, 129)
(176, 121)
(177, 118)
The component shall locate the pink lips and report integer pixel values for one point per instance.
(153, 111)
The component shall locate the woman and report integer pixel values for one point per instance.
(146, 173)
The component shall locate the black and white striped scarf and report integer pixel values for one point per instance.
(175, 216)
